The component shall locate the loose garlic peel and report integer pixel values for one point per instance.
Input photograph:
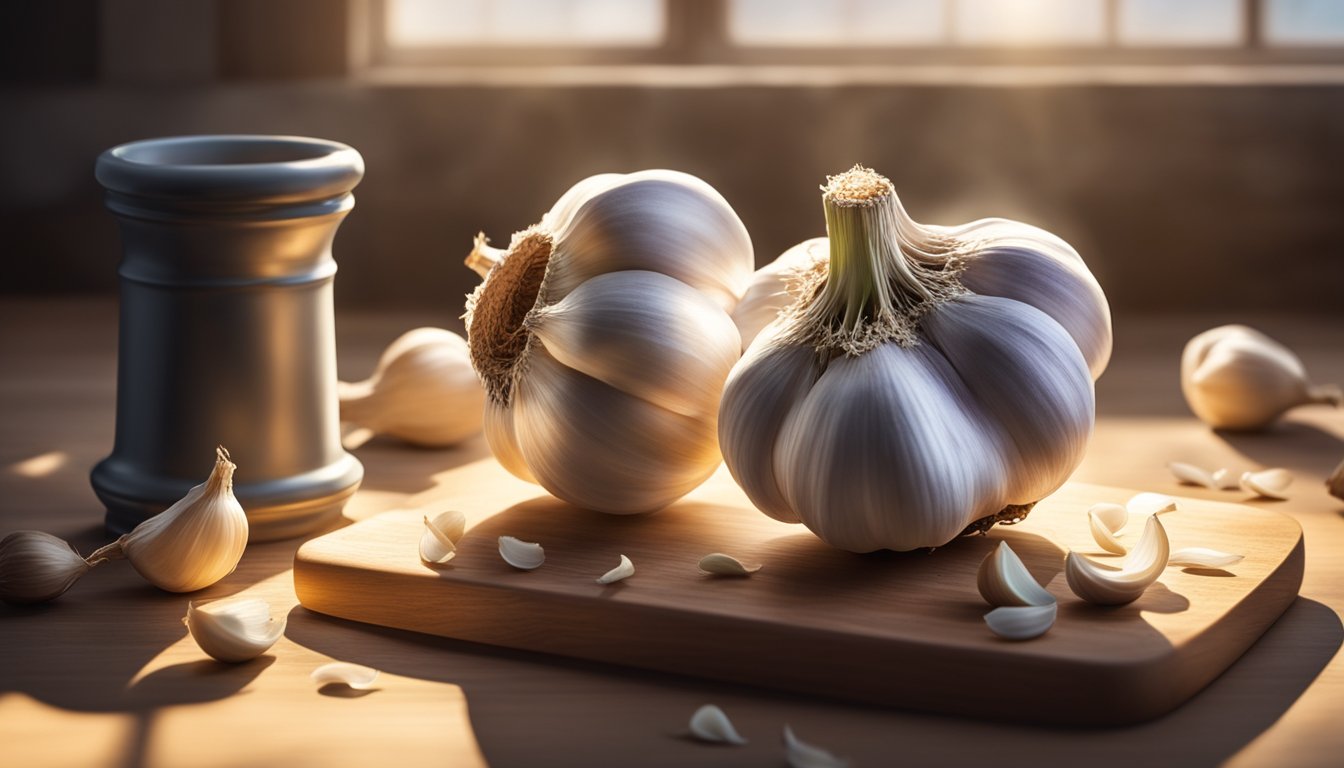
(624, 570)
(1141, 567)
(36, 567)
(719, 564)
(709, 723)
(924, 379)
(355, 676)
(438, 544)
(603, 338)
(1235, 377)
(233, 631)
(1003, 580)
(523, 555)
(423, 391)
(800, 754)
(1269, 483)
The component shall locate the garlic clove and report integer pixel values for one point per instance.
(710, 724)
(36, 567)
(1106, 520)
(1147, 503)
(1201, 557)
(719, 564)
(1270, 483)
(1096, 584)
(623, 571)
(776, 286)
(1226, 480)
(438, 544)
(1192, 475)
(1004, 580)
(522, 555)
(356, 676)
(1021, 622)
(800, 754)
(233, 631)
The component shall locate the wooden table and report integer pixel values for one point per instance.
(108, 676)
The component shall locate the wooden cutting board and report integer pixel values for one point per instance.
(893, 629)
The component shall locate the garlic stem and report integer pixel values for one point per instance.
(483, 257)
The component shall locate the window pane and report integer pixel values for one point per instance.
(524, 22)
(1188, 22)
(1031, 22)
(837, 22)
(1304, 22)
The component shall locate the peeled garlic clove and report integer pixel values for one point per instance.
(1141, 567)
(719, 564)
(1201, 557)
(800, 754)
(1021, 622)
(233, 631)
(1106, 520)
(36, 567)
(1191, 475)
(709, 723)
(625, 570)
(1226, 480)
(355, 676)
(522, 555)
(1270, 483)
(438, 544)
(1143, 504)
(1004, 580)
(423, 391)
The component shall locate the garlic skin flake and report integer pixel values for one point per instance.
(1192, 475)
(233, 631)
(719, 564)
(800, 754)
(36, 567)
(1235, 377)
(1021, 622)
(1105, 521)
(1003, 580)
(1098, 585)
(423, 391)
(355, 676)
(438, 544)
(1269, 483)
(523, 555)
(1202, 557)
(709, 723)
(625, 570)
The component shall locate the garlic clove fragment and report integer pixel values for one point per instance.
(1269, 483)
(800, 754)
(1105, 521)
(438, 544)
(1101, 586)
(1226, 480)
(423, 391)
(523, 555)
(1202, 557)
(719, 564)
(1192, 475)
(625, 570)
(233, 631)
(1021, 622)
(1003, 580)
(36, 567)
(356, 676)
(709, 723)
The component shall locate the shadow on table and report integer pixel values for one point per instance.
(1295, 445)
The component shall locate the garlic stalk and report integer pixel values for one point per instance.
(195, 542)
(1235, 377)
(1096, 584)
(1003, 580)
(603, 338)
(233, 631)
(709, 723)
(423, 391)
(924, 381)
(36, 567)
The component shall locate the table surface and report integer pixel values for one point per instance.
(107, 675)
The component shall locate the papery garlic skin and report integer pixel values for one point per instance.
(926, 379)
(233, 631)
(603, 338)
(423, 391)
(775, 286)
(1235, 377)
(36, 567)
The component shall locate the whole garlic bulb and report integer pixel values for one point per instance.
(36, 567)
(922, 380)
(603, 338)
(423, 391)
(1235, 377)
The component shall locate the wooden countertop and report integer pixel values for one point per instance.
(108, 676)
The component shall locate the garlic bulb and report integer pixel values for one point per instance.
(233, 631)
(36, 567)
(423, 391)
(603, 338)
(1235, 377)
(925, 379)
(195, 542)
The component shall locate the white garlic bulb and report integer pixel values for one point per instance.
(603, 338)
(1235, 377)
(195, 542)
(923, 380)
(423, 391)
(36, 567)
(233, 631)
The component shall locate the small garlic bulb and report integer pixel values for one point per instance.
(36, 567)
(192, 544)
(1235, 377)
(423, 391)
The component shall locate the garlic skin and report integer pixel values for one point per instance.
(1237, 378)
(925, 379)
(233, 631)
(775, 286)
(195, 542)
(36, 567)
(603, 338)
(423, 391)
